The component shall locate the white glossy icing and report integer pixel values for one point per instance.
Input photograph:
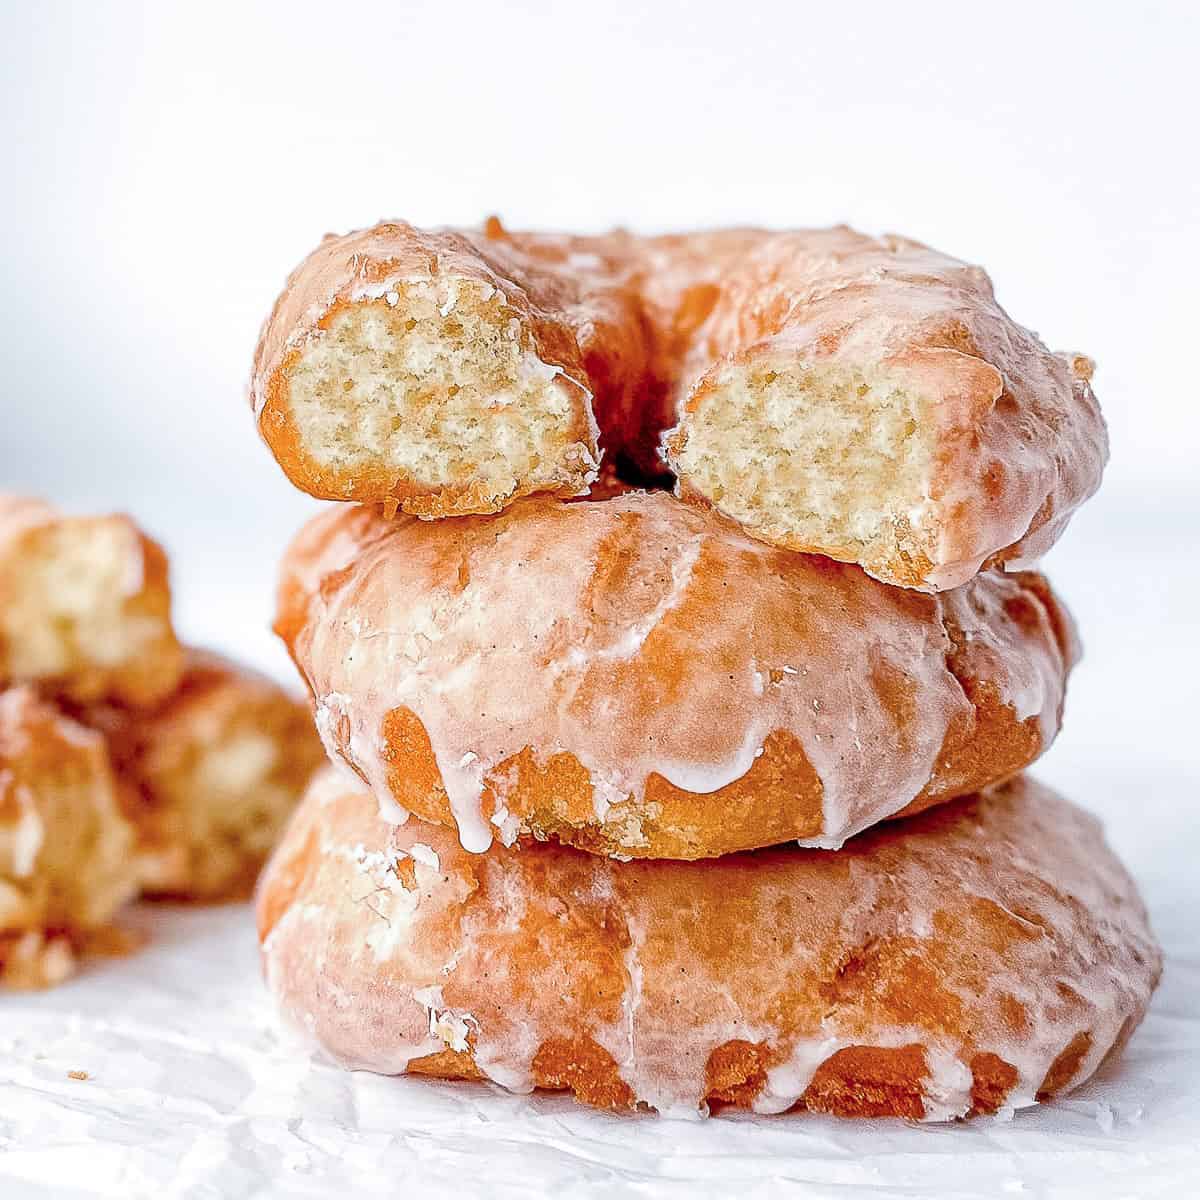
(1077, 956)
(362, 751)
(788, 1081)
(663, 641)
(425, 854)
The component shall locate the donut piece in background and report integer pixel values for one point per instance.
(66, 851)
(638, 678)
(85, 606)
(209, 776)
(977, 957)
(862, 398)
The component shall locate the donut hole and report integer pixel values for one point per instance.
(825, 458)
(627, 469)
(80, 615)
(437, 384)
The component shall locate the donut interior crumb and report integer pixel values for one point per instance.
(821, 457)
(440, 386)
(217, 798)
(75, 610)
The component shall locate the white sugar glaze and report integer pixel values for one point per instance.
(1025, 929)
(660, 641)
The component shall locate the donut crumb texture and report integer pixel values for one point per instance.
(824, 458)
(438, 386)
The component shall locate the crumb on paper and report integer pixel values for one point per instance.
(78, 1075)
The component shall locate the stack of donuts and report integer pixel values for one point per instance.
(129, 764)
(675, 643)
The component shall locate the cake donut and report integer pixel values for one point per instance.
(862, 398)
(66, 861)
(638, 678)
(987, 953)
(445, 372)
(209, 776)
(85, 606)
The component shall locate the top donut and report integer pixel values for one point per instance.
(866, 399)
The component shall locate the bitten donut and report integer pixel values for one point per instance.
(66, 861)
(209, 776)
(444, 372)
(983, 954)
(862, 398)
(637, 677)
(85, 607)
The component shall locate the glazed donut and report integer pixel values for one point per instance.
(861, 398)
(209, 776)
(85, 607)
(636, 677)
(444, 372)
(983, 954)
(66, 865)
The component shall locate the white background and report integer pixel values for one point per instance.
(166, 165)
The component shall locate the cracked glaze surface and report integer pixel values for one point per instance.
(970, 959)
(641, 329)
(670, 688)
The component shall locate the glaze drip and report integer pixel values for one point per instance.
(664, 643)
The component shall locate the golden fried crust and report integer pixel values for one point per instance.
(586, 329)
(669, 689)
(977, 956)
(650, 335)
(85, 606)
(65, 861)
(209, 776)
(1017, 438)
